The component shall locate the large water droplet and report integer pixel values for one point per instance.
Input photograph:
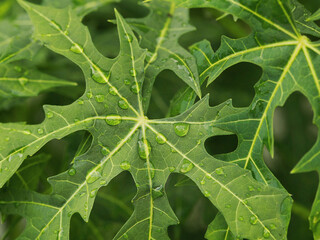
(125, 165)
(181, 129)
(72, 171)
(93, 176)
(89, 95)
(123, 104)
(76, 48)
(161, 139)
(186, 166)
(113, 119)
(40, 131)
(157, 192)
(144, 148)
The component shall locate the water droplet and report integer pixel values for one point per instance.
(181, 129)
(103, 182)
(113, 119)
(105, 151)
(125, 236)
(99, 98)
(157, 192)
(199, 142)
(253, 220)
(203, 182)
(161, 139)
(127, 82)
(186, 166)
(89, 95)
(49, 114)
(93, 193)
(7, 139)
(80, 102)
(227, 206)
(266, 233)
(18, 68)
(123, 104)
(144, 148)
(99, 76)
(251, 188)
(125, 165)
(171, 169)
(133, 72)
(82, 194)
(273, 226)
(151, 57)
(128, 37)
(206, 194)
(93, 176)
(134, 88)
(55, 25)
(219, 171)
(240, 219)
(23, 81)
(113, 91)
(27, 132)
(76, 48)
(72, 171)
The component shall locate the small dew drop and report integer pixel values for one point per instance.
(186, 166)
(128, 37)
(133, 72)
(219, 171)
(171, 169)
(105, 151)
(113, 91)
(273, 226)
(49, 114)
(99, 98)
(72, 171)
(7, 139)
(241, 219)
(157, 192)
(23, 81)
(123, 104)
(203, 182)
(206, 194)
(113, 119)
(76, 48)
(266, 233)
(125, 165)
(93, 193)
(253, 220)
(181, 129)
(144, 149)
(80, 102)
(127, 82)
(93, 176)
(227, 206)
(161, 139)
(89, 95)
(251, 188)
(134, 88)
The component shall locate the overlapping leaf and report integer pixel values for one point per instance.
(290, 62)
(160, 32)
(124, 139)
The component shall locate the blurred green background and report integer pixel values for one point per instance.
(293, 129)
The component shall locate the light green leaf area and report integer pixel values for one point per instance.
(290, 62)
(159, 33)
(15, 81)
(16, 42)
(124, 139)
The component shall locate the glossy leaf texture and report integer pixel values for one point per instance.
(290, 62)
(124, 139)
